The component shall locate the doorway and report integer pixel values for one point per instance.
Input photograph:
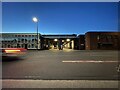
(26, 46)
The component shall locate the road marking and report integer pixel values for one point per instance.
(89, 61)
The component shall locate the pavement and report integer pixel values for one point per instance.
(60, 84)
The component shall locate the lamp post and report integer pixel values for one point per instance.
(36, 21)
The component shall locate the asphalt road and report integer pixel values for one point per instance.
(63, 65)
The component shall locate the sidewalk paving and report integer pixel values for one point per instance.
(11, 83)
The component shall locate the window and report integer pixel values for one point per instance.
(29, 46)
(32, 45)
(18, 35)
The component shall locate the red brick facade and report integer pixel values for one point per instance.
(102, 41)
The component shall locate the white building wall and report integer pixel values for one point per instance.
(8, 39)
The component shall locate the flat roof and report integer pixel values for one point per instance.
(60, 36)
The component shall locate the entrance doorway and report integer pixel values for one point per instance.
(26, 46)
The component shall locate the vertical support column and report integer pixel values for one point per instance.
(39, 42)
(72, 44)
(69, 45)
(48, 44)
(37, 37)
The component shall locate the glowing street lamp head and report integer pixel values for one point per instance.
(35, 19)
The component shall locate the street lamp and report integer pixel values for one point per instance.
(36, 21)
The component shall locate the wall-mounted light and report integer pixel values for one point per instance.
(68, 40)
(55, 40)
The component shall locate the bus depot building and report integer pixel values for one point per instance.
(37, 41)
(88, 41)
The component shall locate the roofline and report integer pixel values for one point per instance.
(103, 32)
(59, 34)
(20, 33)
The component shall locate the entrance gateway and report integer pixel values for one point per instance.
(59, 41)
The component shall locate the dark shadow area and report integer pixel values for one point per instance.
(9, 59)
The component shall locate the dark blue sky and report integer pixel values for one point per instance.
(60, 18)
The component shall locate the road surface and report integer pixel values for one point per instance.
(63, 65)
